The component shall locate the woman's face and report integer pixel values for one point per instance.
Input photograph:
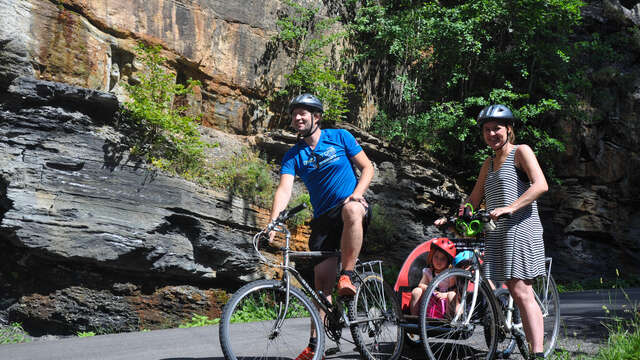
(440, 260)
(495, 134)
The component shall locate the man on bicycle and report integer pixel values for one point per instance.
(323, 159)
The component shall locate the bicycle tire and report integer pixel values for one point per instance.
(550, 314)
(249, 318)
(380, 338)
(448, 339)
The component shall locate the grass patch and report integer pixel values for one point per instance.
(13, 334)
(85, 333)
(265, 309)
(618, 282)
(200, 320)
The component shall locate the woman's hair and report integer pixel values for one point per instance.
(512, 134)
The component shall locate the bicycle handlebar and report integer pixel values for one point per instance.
(473, 223)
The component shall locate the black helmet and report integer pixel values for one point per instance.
(307, 101)
(495, 112)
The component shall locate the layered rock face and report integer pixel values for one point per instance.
(92, 240)
(591, 217)
(225, 44)
(78, 214)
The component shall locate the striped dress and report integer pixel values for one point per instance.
(515, 249)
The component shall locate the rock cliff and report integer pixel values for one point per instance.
(92, 240)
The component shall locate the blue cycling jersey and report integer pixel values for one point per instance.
(326, 171)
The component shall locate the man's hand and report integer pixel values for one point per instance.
(358, 198)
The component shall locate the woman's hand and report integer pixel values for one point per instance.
(501, 211)
(440, 222)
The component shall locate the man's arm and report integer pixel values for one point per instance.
(281, 198)
(282, 195)
(365, 166)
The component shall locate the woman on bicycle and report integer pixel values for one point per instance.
(510, 181)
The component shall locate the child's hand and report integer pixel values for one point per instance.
(440, 295)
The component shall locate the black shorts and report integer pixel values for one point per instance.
(326, 229)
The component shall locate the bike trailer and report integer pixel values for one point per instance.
(411, 273)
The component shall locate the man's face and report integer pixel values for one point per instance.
(301, 119)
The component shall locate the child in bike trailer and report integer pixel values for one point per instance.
(440, 258)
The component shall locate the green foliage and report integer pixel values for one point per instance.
(85, 333)
(304, 215)
(245, 175)
(166, 134)
(623, 342)
(13, 334)
(200, 320)
(452, 58)
(265, 309)
(308, 39)
(620, 281)
(381, 230)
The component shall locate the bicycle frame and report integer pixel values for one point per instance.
(506, 322)
(320, 300)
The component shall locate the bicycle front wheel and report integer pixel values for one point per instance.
(374, 314)
(254, 325)
(466, 330)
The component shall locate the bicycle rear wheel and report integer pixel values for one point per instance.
(374, 313)
(249, 323)
(466, 331)
(507, 343)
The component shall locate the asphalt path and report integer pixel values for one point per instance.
(583, 330)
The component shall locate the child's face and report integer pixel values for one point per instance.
(440, 260)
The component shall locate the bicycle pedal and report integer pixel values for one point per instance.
(332, 351)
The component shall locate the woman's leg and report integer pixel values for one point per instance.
(532, 321)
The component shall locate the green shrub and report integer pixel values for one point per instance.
(308, 39)
(165, 134)
(449, 59)
(245, 175)
(13, 334)
(303, 216)
(381, 230)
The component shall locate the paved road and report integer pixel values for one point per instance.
(582, 331)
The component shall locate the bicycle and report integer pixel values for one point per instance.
(483, 324)
(265, 317)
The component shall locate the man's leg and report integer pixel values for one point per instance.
(351, 242)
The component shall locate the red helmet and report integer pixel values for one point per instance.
(445, 245)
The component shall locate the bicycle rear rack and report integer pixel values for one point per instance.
(374, 266)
